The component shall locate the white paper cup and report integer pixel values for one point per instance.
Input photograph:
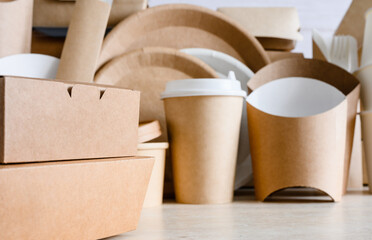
(203, 121)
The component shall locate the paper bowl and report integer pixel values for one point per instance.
(154, 194)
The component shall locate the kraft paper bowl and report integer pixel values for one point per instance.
(154, 194)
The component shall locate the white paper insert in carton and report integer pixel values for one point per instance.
(43, 120)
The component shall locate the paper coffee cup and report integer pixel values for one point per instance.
(203, 120)
(366, 118)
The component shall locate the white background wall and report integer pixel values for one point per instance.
(324, 15)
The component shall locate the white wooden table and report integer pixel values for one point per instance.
(294, 215)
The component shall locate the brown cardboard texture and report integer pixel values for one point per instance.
(354, 20)
(317, 53)
(356, 162)
(279, 55)
(148, 70)
(72, 199)
(47, 45)
(204, 136)
(366, 118)
(325, 72)
(184, 26)
(365, 174)
(276, 28)
(55, 13)
(83, 41)
(154, 194)
(296, 152)
(148, 131)
(15, 26)
(43, 120)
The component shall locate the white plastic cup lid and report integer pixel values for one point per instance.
(204, 87)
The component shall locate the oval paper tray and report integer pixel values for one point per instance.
(184, 26)
(148, 70)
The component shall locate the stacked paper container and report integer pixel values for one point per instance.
(67, 165)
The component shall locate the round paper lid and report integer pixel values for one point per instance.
(204, 87)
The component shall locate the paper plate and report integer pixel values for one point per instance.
(148, 70)
(29, 65)
(184, 26)
(224, 63)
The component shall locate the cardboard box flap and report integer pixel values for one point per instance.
(50, 120)
(61, 89)
(322, 71)
(183, 26)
